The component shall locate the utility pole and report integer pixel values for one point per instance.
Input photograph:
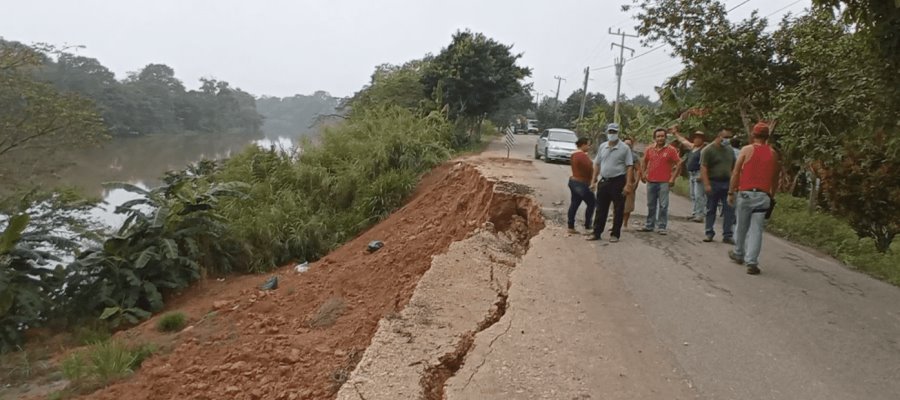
(620, 64)
(537, 101)
(559, 80)
(587, 72)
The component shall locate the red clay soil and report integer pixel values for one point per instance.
(259, 345)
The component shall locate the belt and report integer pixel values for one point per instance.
(613, 178)
(758, 190)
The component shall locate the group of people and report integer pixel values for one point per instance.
(740, 182)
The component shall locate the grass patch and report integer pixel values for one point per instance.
(328, 313)
(102, 364)
(171, 322)
(834, 236)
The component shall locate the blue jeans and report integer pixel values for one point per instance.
(698, 195)
(581, 192)
(719, 194)
(657, 205)
(751, 210)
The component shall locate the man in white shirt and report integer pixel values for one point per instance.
(614, 166)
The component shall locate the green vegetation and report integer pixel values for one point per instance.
(171, 322)
(102, 363)
(826, 82)
(358, 173)
(828, 233)
(251, 213)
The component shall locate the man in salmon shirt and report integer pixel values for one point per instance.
(580, 185)
(659, 165)
(752, 190)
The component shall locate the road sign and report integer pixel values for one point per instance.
(510, 140)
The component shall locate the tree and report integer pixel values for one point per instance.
(399, 85)
(732, 66)
(848, 136)
(35, 118)
(550, 114)
(472, 75)
(572, 107)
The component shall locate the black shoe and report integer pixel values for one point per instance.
(735, 258)
(728, 240)
(708, 239)
(753, 270)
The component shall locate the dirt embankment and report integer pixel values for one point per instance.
(303, 340)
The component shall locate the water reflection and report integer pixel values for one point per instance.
(142, 161)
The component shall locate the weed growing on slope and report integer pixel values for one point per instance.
(171, 322)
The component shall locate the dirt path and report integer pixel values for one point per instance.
(665, 317)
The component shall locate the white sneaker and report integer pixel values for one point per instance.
(613, 239)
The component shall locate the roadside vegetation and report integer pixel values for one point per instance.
(826, 81)
(258, 210)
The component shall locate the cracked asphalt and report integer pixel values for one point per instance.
(669, 317)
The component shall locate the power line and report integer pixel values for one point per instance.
(782, 8)
(647, 52)
(733, 8)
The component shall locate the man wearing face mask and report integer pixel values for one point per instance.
(613, 165)
(716, 163)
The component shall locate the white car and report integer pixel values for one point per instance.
(555, 144)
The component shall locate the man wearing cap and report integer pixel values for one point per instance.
(716, 163)
(751, 190)
(692, 163)
(613, 165)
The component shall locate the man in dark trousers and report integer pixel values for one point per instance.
(614, 166)
(716, 163)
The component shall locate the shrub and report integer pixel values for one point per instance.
(360, 171)
(171, 322)
(103, 363)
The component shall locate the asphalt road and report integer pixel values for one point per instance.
(629, 319)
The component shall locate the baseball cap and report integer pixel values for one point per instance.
(761, 128)
(612, 127)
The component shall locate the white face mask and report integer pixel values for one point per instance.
(612, 137)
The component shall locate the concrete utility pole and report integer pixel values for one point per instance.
(559, 80)
(587, 72)
(620, 64)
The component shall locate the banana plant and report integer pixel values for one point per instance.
(171, 236)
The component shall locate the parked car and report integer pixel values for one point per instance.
(532, 126)
(555, 144)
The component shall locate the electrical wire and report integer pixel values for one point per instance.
(733, 8)
(783, 8)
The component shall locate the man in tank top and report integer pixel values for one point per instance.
(751, 190)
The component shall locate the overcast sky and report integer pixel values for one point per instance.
(286, 47)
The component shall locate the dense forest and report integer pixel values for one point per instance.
(153, 100)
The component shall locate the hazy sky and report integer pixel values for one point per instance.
(286, 47)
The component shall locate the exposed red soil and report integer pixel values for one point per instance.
(259, 345)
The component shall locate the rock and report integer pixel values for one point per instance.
(220, 304)
(232, 390)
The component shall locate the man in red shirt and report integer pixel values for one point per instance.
(752, 189)
(659, 165)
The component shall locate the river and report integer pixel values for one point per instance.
(142, 161)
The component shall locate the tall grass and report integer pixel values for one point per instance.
(360, 171)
